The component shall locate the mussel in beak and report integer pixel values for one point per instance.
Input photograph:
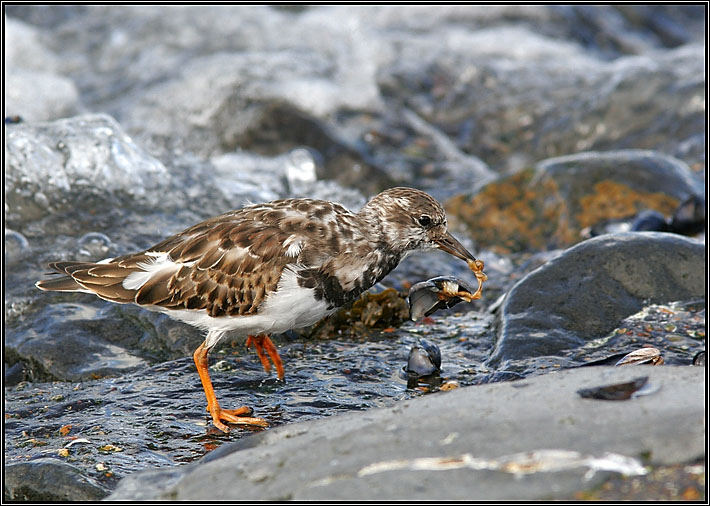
(442, 292)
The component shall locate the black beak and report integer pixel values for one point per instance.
(449, 244)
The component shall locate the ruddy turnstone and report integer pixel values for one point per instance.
(267, 268)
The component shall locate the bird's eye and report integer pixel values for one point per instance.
(424, 220)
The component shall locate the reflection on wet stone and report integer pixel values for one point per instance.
(616, 392)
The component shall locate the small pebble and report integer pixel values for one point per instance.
(449, 385)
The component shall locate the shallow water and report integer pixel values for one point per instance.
(157, 417)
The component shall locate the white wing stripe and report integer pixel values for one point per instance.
(160, 263)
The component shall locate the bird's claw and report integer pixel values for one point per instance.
(235, 416)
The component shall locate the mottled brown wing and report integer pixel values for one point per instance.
(226, 265)
(226, 271)
(232, 262)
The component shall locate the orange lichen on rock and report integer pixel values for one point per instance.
(513, 214)
(611, 200)
(524, 212)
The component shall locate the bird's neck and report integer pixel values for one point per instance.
(371, 221)
(383, 254)
(369, 258)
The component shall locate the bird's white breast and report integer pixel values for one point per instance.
(289, 307)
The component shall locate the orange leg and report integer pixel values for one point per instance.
(263, 343)
(219, 414)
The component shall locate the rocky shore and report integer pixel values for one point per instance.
(568, 146)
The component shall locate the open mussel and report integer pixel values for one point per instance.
(424, 362)
(648, 355)
(442, 292)
(424, 358)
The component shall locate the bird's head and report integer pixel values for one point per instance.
(413, 220)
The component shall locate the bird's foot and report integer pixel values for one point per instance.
(236, 416)
(265, 349)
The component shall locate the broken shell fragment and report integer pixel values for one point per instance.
(449, 385)
(442, 292)
(648, 355)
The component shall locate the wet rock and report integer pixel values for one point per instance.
(34, 89)
(669, 333)
(50, 165)
(539, 97)
(243, 107)
(415, 152)
(628, 29)
(137, 411)
(13, 373)
(613, 184)
(551, 206)
(298, 172)
(49, 479)
(70, 342)
(330, 79)
(582, 294)
(361, 455)
(202, 80)
(39, 96)
(228, 68)
(24, 47)
(279, 127)
(16, 247)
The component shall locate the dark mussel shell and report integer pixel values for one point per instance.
(699, 359)
(424, 358)
(424, 361)
(428, 296)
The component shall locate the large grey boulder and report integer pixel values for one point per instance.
(586, 291)
(526, 440)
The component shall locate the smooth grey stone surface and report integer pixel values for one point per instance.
(582, 294)
(333, 458)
